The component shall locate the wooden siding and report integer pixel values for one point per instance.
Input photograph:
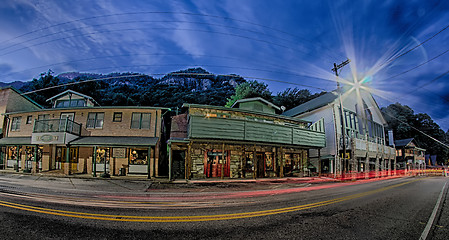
(233, 129)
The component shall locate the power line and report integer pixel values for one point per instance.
(164, 12)
(425, 134)
(420, 65)
(415, 47)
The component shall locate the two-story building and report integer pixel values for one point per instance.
(11, 100)
(408, 155)
(364, 149)
(78, 136)
(249, 140)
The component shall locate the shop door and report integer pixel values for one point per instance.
(215, 164)
(103, 157)
(260, 158)
(61, 158)
(179, 164)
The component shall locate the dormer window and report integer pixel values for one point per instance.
(70, 99)
(70, 103)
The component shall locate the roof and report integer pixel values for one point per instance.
(24, 96)
(72, 92)
(256, 99)
(313, 104)
(115, 141)
(15, 141)
(402, 142)
(188, 105)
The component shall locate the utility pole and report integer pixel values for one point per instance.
(343, 127)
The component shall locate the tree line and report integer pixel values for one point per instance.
(198, 86)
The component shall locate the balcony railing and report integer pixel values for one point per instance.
(57, 125)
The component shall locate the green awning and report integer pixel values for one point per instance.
(15, 141)
(115, 141)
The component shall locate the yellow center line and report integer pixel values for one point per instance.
(194, 218)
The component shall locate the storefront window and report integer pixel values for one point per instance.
(102, 155)
(12, 153)
(138, 156)
(293, 164)
(269, 163)
(248, 164)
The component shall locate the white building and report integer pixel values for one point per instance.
(365, 145)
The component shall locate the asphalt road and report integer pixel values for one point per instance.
(387, 209)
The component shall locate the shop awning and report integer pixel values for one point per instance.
(115, 141)
(15, 141)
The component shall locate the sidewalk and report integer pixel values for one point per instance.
(139, 184)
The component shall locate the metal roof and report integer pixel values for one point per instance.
(15, 141)
(313, 104)
(115, 141)
(256, 99)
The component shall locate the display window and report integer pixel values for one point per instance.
(102, 155)
(12, 153)
(138, 156)
(217, 165)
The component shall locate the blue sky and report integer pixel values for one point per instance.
(282, 43)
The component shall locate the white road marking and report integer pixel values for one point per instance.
(426, 231)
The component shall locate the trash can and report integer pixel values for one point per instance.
(16, 167)
(122, 172)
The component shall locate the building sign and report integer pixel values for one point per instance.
(119, 152)
(47, 138)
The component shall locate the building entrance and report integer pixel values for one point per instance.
(216, 164)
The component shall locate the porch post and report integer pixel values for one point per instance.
(170, 162)
(319, 162)
(94, 162)
(67, 158)
(148, 162)
(35, 159)
(254, 162)
(18, 158)
(281, 174)
(223, 160)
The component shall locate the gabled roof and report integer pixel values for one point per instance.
(403, 142)
(68, 92)
(24, 96)
(313, 104)
(255, 99)
(72, 92)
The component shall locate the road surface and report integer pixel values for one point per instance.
(400, 208)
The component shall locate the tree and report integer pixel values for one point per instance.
(250, 89)
(405, 124)
(46, 80)
(291, 98)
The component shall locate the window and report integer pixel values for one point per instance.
(15, 126)
(95, 120)
(70, 103)
(140, 121)
(117, 117)
(138, 157)
(29, 119)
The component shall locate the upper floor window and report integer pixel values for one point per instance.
(140, 121)
(15, 125)
(70, 103)
(117, 117)
(29, 119)
(95, 120)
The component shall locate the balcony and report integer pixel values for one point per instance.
(55, 131)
